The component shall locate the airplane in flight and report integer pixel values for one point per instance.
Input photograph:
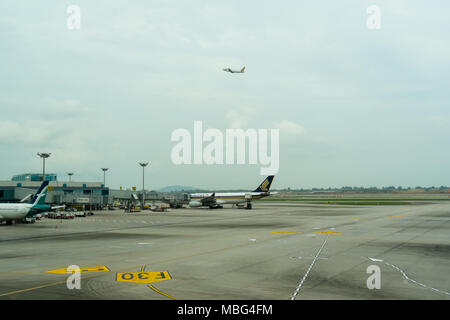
(217, 200)
(234, 71)
(10, 212)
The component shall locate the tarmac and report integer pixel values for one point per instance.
(276, 251)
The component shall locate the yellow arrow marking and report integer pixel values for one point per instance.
(143, 277)
(82, 270)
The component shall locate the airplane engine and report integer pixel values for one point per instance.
(195, 204)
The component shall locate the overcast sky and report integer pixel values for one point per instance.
(355, 107)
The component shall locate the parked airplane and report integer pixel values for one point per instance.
(216, 200)
(234, 71)
(10, 212)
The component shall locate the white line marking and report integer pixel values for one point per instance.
(407, 278)
(299, 258)
(374, 259)
(309, 269)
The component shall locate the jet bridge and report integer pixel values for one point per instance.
(176, 200)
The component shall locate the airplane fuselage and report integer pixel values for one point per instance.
(14, 211)
(234, 71)
(10, 212)
(227, 198)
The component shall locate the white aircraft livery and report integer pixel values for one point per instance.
(216, 200)
(234, 71)
(10, 212)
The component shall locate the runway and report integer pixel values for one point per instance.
(277, 251)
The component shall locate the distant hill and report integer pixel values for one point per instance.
(177, 189)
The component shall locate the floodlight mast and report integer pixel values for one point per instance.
(43, 155)
(143, 165)
(104, 176)
(104, 181)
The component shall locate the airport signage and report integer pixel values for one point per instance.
(143, 277)
(82, 200)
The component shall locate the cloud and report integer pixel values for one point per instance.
(437, 119)
(439, 122)
(110, 93)
(239, 119)
(288, 127)
(23, 132)
(65, 127)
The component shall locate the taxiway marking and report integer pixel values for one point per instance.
(127, 268)
(329, 232)
(160, 292)
(143, 277)
(83, 269)
(406, 277)
(155, 289)
(284, 232)
(309, 269)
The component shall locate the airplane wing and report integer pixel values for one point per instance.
(26, 198)
(209, 201)
(57, 207)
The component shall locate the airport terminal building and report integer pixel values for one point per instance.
(34, 177)
(79, 195)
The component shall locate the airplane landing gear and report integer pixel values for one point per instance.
(248, 198)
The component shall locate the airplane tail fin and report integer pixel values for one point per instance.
(242, 70)
(39, 197)
(265, 185)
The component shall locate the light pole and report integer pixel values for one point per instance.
(104, 176)
(143, 165)
(70, 174)
(44, 156)
(104, 183)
